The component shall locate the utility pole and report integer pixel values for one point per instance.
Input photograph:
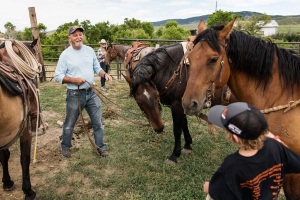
(216, 6)
(35, 34)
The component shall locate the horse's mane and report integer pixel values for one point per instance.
(255, 56)
(145, 69)
(148, 66)
(211, 37)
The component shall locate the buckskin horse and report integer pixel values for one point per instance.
(160, 76)
(16, 108)
(258, 72)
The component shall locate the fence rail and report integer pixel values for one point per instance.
(51, 54)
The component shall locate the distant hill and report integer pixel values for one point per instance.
(193, 21)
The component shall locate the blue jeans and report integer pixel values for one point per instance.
(92, 104)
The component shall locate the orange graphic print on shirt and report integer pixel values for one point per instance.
(272, 175)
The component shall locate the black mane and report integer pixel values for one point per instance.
(148, 66)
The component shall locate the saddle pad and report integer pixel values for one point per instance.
(11, 86)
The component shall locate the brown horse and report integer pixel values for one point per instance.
(160, 76)
(258, 72)
(130, 54)
(15, 112)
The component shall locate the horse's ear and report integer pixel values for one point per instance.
(224, 34)
(201, 26)
(33, 43)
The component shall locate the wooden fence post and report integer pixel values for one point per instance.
(36, 35)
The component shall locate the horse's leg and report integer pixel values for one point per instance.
(25, 144)
(178, 119)
(187, 136)
(8, 184)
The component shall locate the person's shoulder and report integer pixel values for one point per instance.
(230, 160)
(270, 142)
(88, 48)
(65, 52)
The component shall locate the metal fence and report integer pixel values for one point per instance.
(51, 53)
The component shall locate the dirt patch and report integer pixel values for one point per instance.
(48, 158)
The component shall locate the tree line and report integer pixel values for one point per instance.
(136, 29)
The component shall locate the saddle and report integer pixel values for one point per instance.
(18, 84)
(133, 53)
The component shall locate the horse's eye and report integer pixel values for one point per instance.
(213, 60)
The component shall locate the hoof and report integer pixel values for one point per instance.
(173, 159)
(9, 187)
(31, 196)
(187, 151)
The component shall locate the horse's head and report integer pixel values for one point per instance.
(147, 98)
(209, 66)
(146, 95)
(111, 53)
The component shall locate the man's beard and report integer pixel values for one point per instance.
(78, 44)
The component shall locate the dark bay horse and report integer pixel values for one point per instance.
(258, 72)
(15, 112)
(160, 76)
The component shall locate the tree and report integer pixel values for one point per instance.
(132, 28)
(220, 18)
(10, 30)
(254, 24)
(27, 34)
(172, 31)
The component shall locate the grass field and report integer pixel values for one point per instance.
(289, 28)
(137, 167)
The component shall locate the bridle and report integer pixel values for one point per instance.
(211, 89)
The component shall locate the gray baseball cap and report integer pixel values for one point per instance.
(72, 29)
(241, 119)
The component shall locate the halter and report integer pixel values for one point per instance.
(211, 90)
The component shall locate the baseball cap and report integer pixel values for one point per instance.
(241, 119)
(72, 29)
(102, 41)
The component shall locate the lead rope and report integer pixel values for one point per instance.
(287, 107)
(96, 91)
(83, 124)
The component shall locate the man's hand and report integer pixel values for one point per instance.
(79, 81)
(108, 77)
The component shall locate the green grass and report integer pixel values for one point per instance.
(295, 28)
(137, 167)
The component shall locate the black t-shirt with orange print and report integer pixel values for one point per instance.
(257, 177)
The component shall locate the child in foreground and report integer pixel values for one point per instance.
(257, 169)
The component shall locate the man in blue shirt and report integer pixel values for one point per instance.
(76, 67)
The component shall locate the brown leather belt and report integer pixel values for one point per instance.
(83, 89)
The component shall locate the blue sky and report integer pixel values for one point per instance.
(54, 13)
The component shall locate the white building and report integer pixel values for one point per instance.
(270, 28)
